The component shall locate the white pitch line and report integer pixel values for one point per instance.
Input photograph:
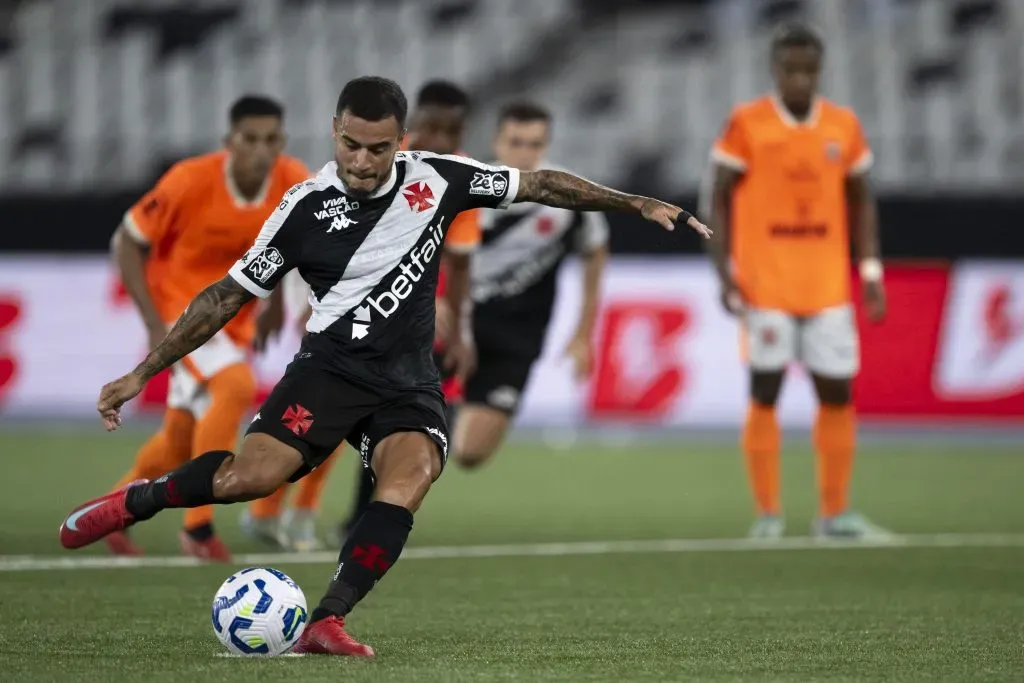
(14, 563)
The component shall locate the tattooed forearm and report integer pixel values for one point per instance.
(567, 191)
(205, 316)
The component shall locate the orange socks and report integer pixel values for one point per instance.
(835, 436)
(762, 443)
(312, 485)
(232, 392)
(166, 450)
(307, 498)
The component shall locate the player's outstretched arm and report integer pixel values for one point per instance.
(208, 313)
(567, 191)
(203, 318)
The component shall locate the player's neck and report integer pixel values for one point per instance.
(248, 188)
(801, 115)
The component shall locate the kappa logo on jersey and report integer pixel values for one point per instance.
(340, 223)
(493, 184)
(419, 195)
(265, 265)
(412, 269)
(334, 207)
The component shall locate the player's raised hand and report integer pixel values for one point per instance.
(666, 215)
(116, 394)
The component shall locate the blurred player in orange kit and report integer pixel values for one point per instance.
(790, 178)
(437, 126)
(181, 236)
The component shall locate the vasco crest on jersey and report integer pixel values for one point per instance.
(491, 184)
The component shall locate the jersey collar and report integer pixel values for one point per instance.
(236, 195)
(792, 121)
(330, 174)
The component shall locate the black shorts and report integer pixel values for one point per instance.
(314, 410)
(499, 380)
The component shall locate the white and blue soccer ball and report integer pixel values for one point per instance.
(259, 611)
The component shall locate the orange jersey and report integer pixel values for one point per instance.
(198, 225)
(789, 233)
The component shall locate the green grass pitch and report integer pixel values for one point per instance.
(952, 613)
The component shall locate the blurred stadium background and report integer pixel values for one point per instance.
(99, 97)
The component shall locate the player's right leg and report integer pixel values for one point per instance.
(217, 477)
(276, 447)
(771, 345)
(167, 449)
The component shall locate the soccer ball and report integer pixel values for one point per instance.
(259, 611)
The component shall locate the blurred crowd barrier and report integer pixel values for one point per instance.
(952, 348)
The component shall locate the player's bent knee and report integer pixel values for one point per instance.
(765, 387)
(471, 460)
(406, 465)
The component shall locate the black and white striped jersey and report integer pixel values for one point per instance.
(514, 270)
(372, 262)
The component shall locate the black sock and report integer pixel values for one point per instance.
(364, 493)
(189, 486)
(373, 546)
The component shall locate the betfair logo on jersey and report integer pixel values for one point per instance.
(336, 206)
(410, 271)
(493, 184)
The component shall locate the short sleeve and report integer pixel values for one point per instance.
(464, 233)
(732, 147)
(151, 218)
(592, 232)
(278, 247)
(484, 186)
(859, 157)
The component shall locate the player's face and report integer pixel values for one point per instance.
(365, 151)
(796, 71)
(521, 144)
(254, 143)
(437, 129)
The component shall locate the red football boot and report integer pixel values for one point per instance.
(212, 549)
(328, 637)
(118, 543)
(92, 520)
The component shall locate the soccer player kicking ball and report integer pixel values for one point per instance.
(437, 125)
(364, 372)
(788, 168)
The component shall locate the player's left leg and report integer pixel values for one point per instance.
(830, 350)
(406, 446)
(230, 394)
